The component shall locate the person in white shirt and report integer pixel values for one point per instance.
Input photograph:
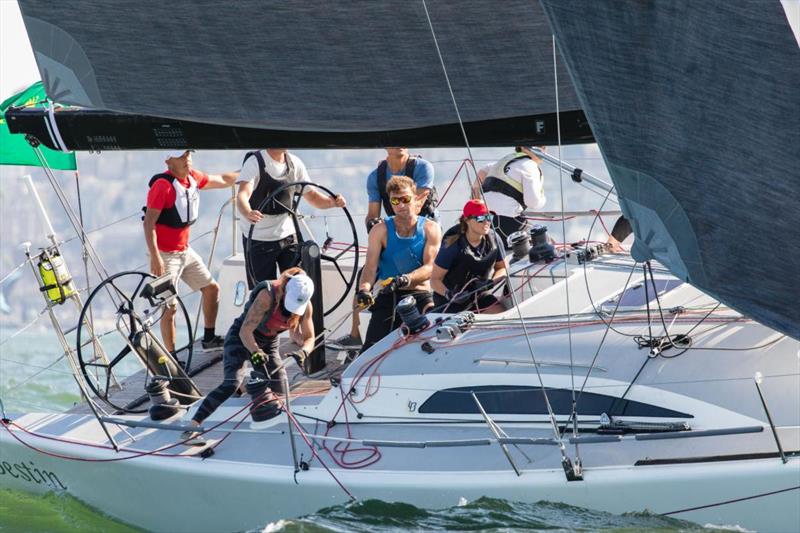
(273, 242)
(512, 185)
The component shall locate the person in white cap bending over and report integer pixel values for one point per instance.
(274, 306)
(172, 206)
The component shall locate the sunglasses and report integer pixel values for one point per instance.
(396, 200)
(483, 218)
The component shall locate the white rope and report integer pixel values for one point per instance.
(13, 271)
(25, 327)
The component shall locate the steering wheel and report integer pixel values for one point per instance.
(118, 294)
(350, 244)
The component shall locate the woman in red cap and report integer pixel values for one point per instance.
(468, 264)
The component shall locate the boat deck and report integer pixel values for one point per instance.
(206, 373)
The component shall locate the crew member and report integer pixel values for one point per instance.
(512, 185)
(400, 255)
(172, 206)
(469, 263)
(273, 242)
(397, 163)
(273, 307)
(622, 229)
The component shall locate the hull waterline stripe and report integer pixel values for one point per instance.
(726, 502)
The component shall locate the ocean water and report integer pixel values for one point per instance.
(29, 382)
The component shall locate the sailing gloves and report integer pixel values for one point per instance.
(300, 357)
(397, 283)
(258, 358)
(458, 297)
(364, 299)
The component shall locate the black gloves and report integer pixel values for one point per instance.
(364, 299)
(371, 223)
(482, 285)
(458, 297)
(300, 357)
(258, 358)
(397, 283)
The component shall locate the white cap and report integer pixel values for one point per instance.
(176, 152)
(299, 289)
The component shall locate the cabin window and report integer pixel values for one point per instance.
(512, 400)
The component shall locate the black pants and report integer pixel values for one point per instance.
(505, 226)
(476, 302)
(262, 257)
(384, 320)
(233, 360)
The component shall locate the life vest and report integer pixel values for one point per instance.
(428, 208)
(282, 202)
(187, 202)
(499, 181)
(468, 265)
(402, 254)
(274, 321)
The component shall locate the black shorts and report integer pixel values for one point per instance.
(384, 319)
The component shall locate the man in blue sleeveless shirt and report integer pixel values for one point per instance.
(400, 256)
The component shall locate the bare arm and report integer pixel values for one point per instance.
(499, 270)
(323, 201)
(437, 280)
(304, 335)
(220, 181)
(433, 239)
(376, 243)
(255, 315)
(373, 211)
(243, 202)
(156, 263)
(476, 187)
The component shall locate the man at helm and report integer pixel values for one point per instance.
(272, 242)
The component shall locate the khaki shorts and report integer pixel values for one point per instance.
(188, 267)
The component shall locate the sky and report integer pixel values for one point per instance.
(18, 67)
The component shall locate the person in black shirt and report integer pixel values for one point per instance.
(469, 262)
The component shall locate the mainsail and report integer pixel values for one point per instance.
(694, 104)
(696, 108)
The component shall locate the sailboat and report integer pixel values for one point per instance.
(667, 380)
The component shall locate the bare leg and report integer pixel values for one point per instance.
(210, 304)
(355, 325)
(168, 327)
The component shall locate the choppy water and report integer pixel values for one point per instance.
(25, 386)
(64, 514)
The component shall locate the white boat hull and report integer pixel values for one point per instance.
(179, 494)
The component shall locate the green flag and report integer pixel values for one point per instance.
(15, 150)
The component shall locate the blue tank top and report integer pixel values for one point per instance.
(402, 254)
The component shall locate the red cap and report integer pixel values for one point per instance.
(474, 208)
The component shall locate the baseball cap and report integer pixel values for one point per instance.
(299, 289)
(474, 208)
(175, 152)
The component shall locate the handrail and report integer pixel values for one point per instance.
(215, 231)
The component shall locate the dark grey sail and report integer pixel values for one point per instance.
(296, 65)
(696, 108)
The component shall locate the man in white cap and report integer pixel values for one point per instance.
(273, 307)
(172, 206)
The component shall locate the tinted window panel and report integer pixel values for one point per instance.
(511, 400)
